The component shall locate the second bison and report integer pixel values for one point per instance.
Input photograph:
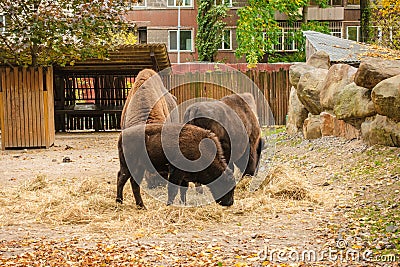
(151, 147)
(233, 119)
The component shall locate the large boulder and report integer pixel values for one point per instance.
(309, 88)
(295, 72)
(381, 130)
(339, 75)
(320, 60)
(297, 113)
(374, 70)
(353, 104)
(386, 97)
(332, 126)
(312, 127)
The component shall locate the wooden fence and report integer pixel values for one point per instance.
(94, 100)
(26, 107)
(270, 89)
(86, 100)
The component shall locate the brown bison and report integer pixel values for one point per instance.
(149, 102)
(152, 147)
(234, 120)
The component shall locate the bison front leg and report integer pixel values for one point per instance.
(252, 165)
(175, 179)
(182, 190)
(254, 159)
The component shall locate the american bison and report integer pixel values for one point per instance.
(234, 120)
(148, 101)
(153, 147)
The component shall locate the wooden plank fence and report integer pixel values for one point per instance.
(270, 89)
(26, 107)
(107, 91)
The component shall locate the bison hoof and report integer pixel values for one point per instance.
(141, 207)
(119, 200)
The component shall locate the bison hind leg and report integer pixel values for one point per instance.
(123, 177)
(135, 180)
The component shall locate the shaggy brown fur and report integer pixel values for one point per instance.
(151, 157)
(148, 102)
(245, 107)
(207, 115)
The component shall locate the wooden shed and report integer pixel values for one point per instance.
(26, 107)
(34, 103)
(91, 94)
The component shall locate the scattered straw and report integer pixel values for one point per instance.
(283, 182)
(90, 203)
(37, 183)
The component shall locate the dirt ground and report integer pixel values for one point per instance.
(330, 196)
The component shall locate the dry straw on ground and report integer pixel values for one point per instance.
(286, 183)
(91, 204)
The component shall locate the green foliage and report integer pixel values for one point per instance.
(256, 28)
(317, 26)
(46, 32)
(258, 31)
(300, 40)
(287, 57)
(210, 28)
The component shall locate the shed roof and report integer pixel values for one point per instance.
(129, 58)
(339, 50)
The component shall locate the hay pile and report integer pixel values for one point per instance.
(90, 203)
(286, 183)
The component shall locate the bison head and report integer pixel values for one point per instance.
(223, 188)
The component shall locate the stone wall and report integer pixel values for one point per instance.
(341, 100)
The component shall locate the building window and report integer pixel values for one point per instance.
(142, 35)
(174, 3)
(223, 2)
(186, 40)
(286, 41)
(2, 23)
(353, 33)
(353, 2)
(226, 43)
(336, 33)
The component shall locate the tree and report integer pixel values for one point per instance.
(210, 28)
(46, 32)
(385, 17)
(258, 31)
(364, 20)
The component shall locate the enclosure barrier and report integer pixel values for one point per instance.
(26, 107)
(88, 99)
(271, 85)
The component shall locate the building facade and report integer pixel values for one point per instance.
(157, 21)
